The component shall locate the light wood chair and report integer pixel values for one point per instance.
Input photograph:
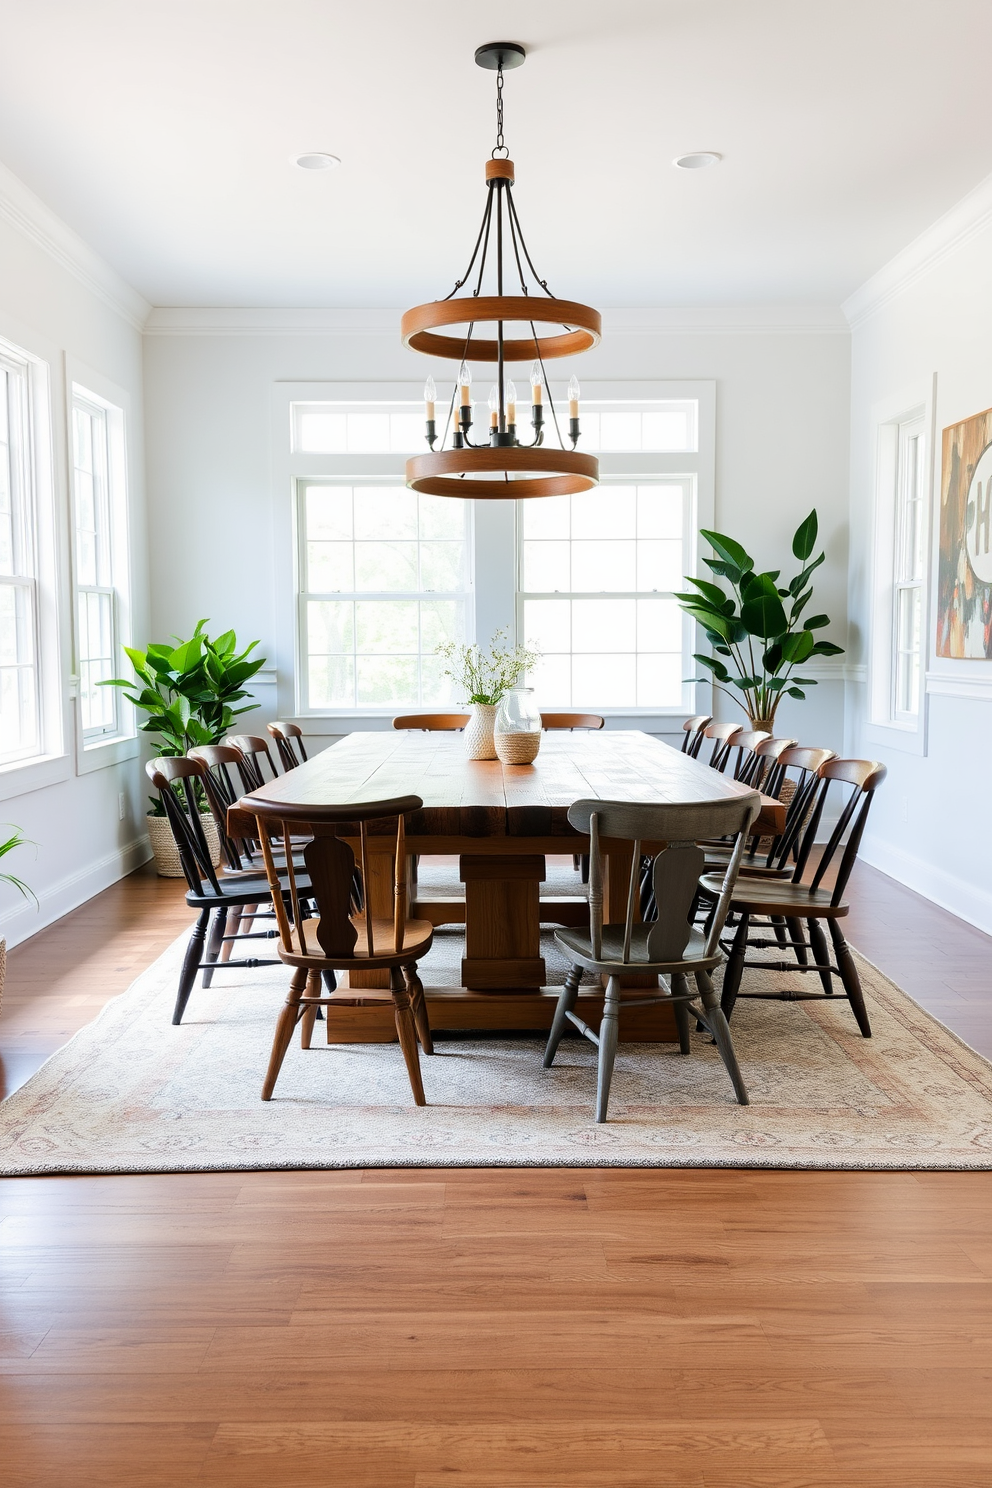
(745, 745)
(256, 754)
(572, 721)
(340, 940)
(231, 897)
(695, 732)
(430, 723)
(669, 946)
(790, 903)
(289, 742)
(722, 735)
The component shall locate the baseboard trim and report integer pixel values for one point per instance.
(26, 919)
(956, 895)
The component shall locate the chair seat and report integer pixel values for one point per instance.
(611, 962)
(764, 896)
(716, 862)
(236, 891)
(418, 936)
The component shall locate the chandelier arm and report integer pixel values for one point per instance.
(523, 243)
(475, 251)
(516, 253)
(551, 400)
(485, 245)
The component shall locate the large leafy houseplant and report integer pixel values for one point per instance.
(757, 630)
(189, 690)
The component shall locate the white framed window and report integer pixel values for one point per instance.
(381, 576)
(20, 660)
(105, 723)
(900, 560)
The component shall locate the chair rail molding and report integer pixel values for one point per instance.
(966, 685)
(964, 221)
(29, 216)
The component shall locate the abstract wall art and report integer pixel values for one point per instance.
(964, 577)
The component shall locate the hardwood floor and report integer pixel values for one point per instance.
(491, 1329)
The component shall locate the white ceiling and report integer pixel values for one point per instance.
(162, 131)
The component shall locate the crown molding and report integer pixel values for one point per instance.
(743, 320)
(29, 216)
(967, 218)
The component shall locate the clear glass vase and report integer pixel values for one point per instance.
(518, 727)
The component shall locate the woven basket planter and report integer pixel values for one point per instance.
(167, 860)
(517, 748)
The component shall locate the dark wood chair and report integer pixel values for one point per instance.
(669, 946)
(722, 736)
(257, 756)
(430, 723)
(743, 753)
(572, 721)
(800, 900)
(795, 780)
(178, 781)
(339, 939)
(289, 743)
(765, 768)
(695, 732)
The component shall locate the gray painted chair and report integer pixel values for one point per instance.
(669, 946)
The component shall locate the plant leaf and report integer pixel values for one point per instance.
(764, 616)
(726, 548)
(795, 692)
(817, 622)
(797, 646)
(805, 539)
(827, 648)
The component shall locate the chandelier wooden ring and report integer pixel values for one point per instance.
(419, 326)
(449, 473)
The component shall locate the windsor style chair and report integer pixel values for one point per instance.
(722, 736)
(430, 723)
(790, 902)
(289, 743)
(669, 946)
(572, 721)
(257, 755)
(341, 939)
(695, 732)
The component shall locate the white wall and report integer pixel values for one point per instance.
(928, 312)
(782, 424)
(58, 299)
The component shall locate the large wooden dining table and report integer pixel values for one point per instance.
(502, 822)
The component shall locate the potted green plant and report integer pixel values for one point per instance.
(8, 845)
(757, 631)
(188, 691)
(483, 678)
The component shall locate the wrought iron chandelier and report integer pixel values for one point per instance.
(502, 464)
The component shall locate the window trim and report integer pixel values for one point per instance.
(491, 605)
(98, 752)
(889, 420)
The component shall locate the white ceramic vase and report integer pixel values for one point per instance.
(478, 734)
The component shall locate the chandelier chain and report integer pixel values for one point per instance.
(500, 148)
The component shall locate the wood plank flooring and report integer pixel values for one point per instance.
(491, 1329)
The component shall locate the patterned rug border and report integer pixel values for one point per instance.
(973, 1067)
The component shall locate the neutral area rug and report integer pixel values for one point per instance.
(131, 1093)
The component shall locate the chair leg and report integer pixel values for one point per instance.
(849, 976)
(422, 1022)
(191, 964)
(407, 1031)
(311, 1008)
(284, 1030)
(735, 967)
(720, 1029)
(566, 1002)
(215, 941)
(609, 1033)
(818, 941)
(680, 1007)
(798, 944)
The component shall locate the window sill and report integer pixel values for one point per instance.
(909, 740)
(23, 776)
(101, 755)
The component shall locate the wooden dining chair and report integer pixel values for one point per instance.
(289, 743)
(795, 781)
(339, 939)
(743, 747)
(802, 899)
(177, 780)
(722, 736)
(257, 756)
(669, 946)
(430, 723)
(765, 770)
(695, 732)
(572, 721)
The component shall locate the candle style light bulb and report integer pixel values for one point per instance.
(536, 383)
(430, 396)
(511, 402)
(494, 406)
(573, 396)
(465, 383)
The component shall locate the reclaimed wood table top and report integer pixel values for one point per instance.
(484, 798)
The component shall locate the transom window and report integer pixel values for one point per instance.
(19, 660)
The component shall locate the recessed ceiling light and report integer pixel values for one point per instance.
(316, 160)
(697, 160)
